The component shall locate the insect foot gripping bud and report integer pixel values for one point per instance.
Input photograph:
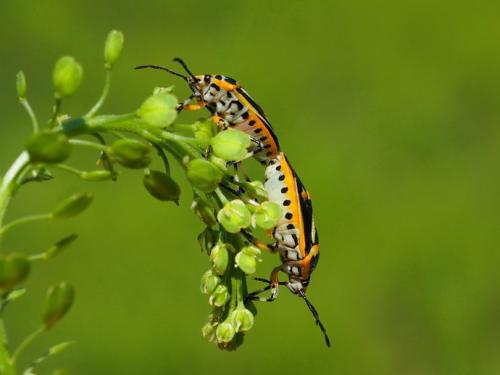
(72, 206)
(203, 174)
(131, 153)
(159, 110)
(14, 269)
(112, 48)
(234, 216)
(209, 281)
(220, 296)
(161, 186)
(219, 257)
(225, 332)
(242, 319)
(67, 77)
(247, 258)
(59, 299)
(49, 148)
(231, 144)
(21, 85)
(266, 216)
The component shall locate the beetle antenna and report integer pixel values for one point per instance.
(180, 61)
(161, 68)
(316, 317)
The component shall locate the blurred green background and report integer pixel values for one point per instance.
(389, 111)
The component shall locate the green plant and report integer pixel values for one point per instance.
(224, 201)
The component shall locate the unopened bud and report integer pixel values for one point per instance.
(256, 189)
(67, 77)
(234, 216)
(204, 130)
(203, 174)
(14, 269)
(113, 48)
(21, 85)
(247, 258)
(209, 281)
(131, 153)
(59, 299)
(231, 144)
(225, 332)
(72, 206)
(266, 215)
(204, 211)
(242, 319)
(220, 296)
(208, 331)
(161, 186)
(49, 148)
(96, 176)
(60, 246)
(159, 110)
(219, 257)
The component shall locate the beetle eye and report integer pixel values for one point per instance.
(207, 78)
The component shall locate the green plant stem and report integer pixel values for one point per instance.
(81, 142)
(9, 182)
(24, 220)
(69, 169)
(26, 343)
(102, 98)
(55, 112)
(31, 114)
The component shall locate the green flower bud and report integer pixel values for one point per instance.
(208, 331)
(242, 319)
(225, 332)
(231, 144)
(161, 186)
(131, 153)
(204, 211)
(59, 299)
(113, 48)
(14, 269)
(234, 216)
(256, 189)
(49, 148)
(204, 130)
(159, 110)
(15, 294)
(209, 281)
(266, 215)
(219, 163)
(21, 85)
(96, 176)
(60, 246)
(220, 296)
(67, 77)
(203, 174)
(247, 263)
(252, 251)
(219, 257)
(72, 206)
(58, 348)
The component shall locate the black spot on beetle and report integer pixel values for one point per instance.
(290, 226)
(251, 122)
(245, 115)
(284, 190)
(258, 130)
(286, 202)
(218, 76)
(281, 177)
(278, 168)
(288, 215)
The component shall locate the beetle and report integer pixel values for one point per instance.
(296, 235)
(231, 107)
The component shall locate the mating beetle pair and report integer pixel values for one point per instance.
(296, 235)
